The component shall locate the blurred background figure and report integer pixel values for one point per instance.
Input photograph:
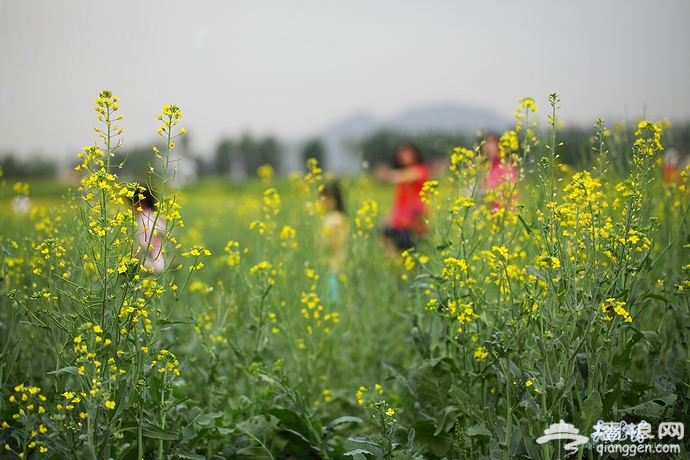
(21, 204)
(149, 232)
(335, 232)
(408, 211)
(672, 165)
(500, 176)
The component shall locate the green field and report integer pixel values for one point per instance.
(569, 301)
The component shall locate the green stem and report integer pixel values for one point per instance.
(160, 442)
(509, 412)
(140, 428)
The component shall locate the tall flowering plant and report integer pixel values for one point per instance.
(103, 307)
(532, 306)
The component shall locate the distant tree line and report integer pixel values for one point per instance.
(576, 145)
(13, 168)
(241, 157)
(579, 146)
(382, 146)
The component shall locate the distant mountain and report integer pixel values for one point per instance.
(446, 118)
(340, 139)
(359, 125)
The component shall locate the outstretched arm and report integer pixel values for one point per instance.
(396, 176)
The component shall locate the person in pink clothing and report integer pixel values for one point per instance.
(408, 212)
(501, 175)
(149, 233)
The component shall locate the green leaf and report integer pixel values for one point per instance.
(410, 438)
(206, 419)
(358, 453)
(254, 453)
(420, 341)
(155, 387)
(539, 274)
(361, 445)
(479, 431)
(624, 356)
(591, 410)
(651, 295)
(290, 419)
(363, 440)
(188, 432)
(448, 420)
(341, 420)
(431, 382)
(260, 427)
(187, 455)
(653, 408)
(646, 409)
(177, 321)
(609, 399)
(89, 453)
(69, 369)
(652, 339)
(154, 432)
(563, 387)
(464, 400)
(495, 451)
(438, 444)
(300, 437)
(420, 284)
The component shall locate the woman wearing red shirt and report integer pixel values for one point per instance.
(407, 215)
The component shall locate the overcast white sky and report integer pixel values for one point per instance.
(292, 68)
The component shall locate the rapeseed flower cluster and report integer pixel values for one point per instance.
(315, 314)
(616, 306)
(196, 252)
(29, 405)
(365, 218)
(314, 172)
(21, 188)
(410, 259)
(166, 362)
(233, 257)
(481, 353)
(371, 394)
(463, 163)
(205, 329)
(287, 237)
(271, 203)
(266, 173)
(429, 191)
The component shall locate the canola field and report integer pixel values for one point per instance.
(563, 295)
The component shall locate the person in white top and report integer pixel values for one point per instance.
(149, 233)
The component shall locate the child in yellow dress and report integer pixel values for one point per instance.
(334, 235)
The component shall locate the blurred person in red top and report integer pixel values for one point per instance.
(672, 165)
(408, 212)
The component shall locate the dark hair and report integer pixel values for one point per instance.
(419, 158)
(332, 190)
(148, 200)
(487, 134)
